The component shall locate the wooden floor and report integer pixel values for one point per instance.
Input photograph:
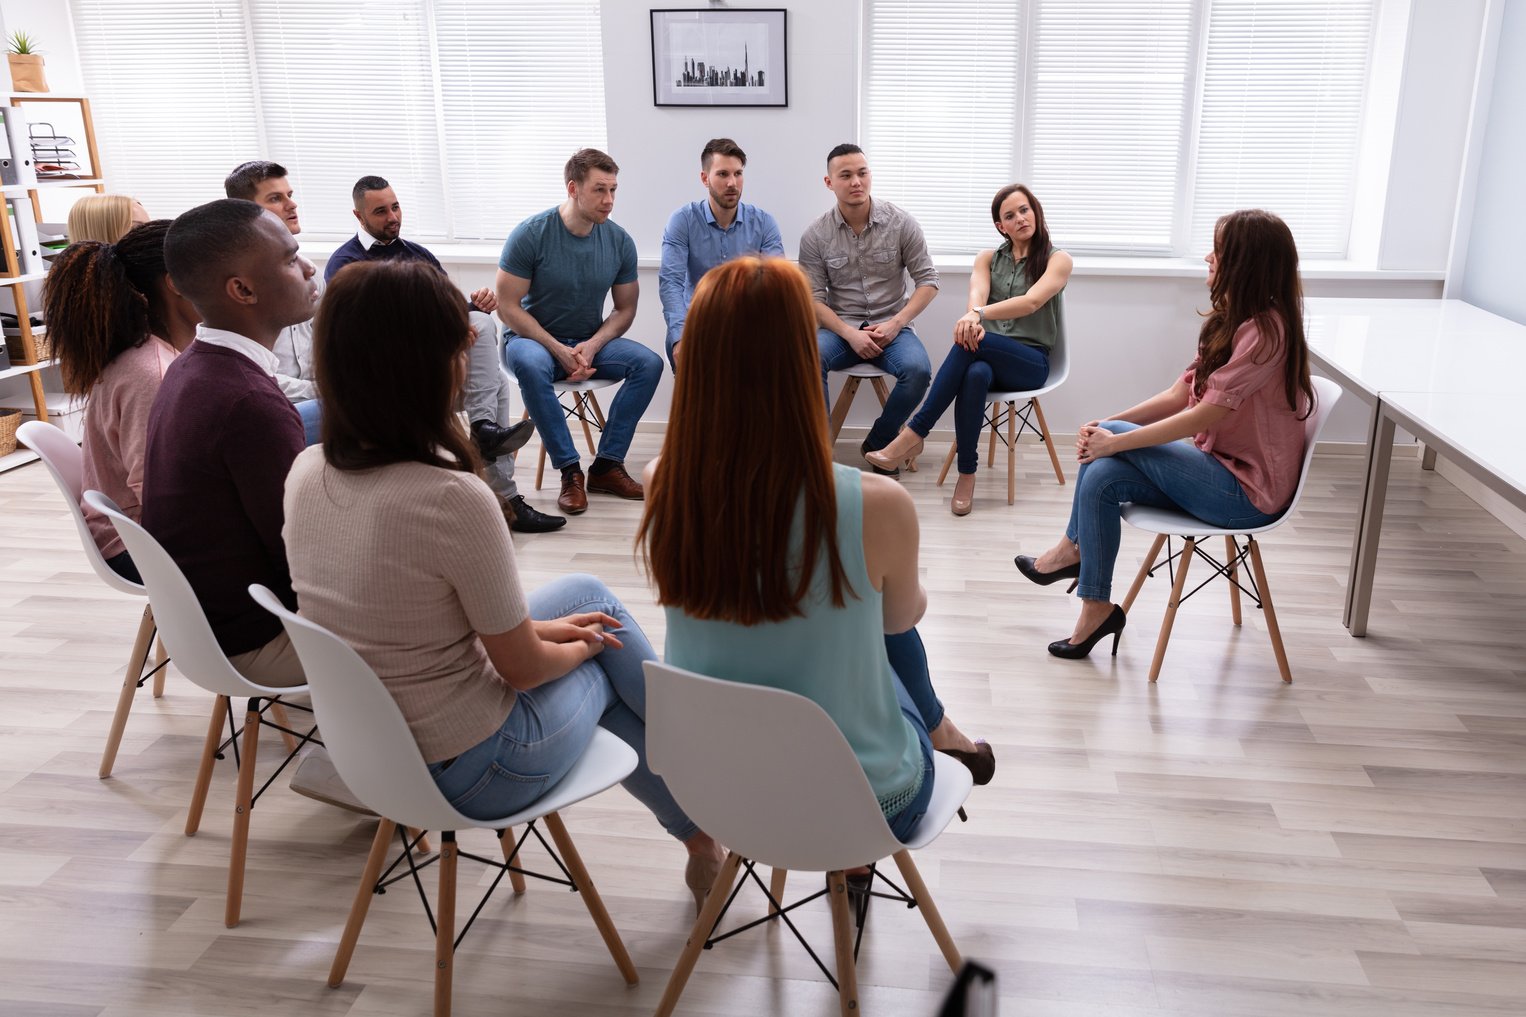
(1218, 844)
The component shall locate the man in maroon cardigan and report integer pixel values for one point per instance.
(221, 435)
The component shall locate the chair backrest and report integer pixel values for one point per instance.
(182, 623)
(365, 733)
(764, 771)
(1326, 394)
(1059, 357)
(66, 463)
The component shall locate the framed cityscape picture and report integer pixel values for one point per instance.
(720, 57)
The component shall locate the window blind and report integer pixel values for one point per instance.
(347, 89)
(1283, 88)
(1107, 120)
(940, 112)
(470, 109)
(171, 93)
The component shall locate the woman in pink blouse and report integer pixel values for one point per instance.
(116, 324)
(1242, 401)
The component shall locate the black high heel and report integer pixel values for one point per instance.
(981, 763)
(1026, 565)
(1113, 626)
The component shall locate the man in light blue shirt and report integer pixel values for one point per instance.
(702, 234)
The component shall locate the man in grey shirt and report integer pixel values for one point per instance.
(857, 257)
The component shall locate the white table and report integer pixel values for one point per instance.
(1431, 367)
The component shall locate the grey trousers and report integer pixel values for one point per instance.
(487, 397)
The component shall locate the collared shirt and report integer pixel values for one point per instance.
(263, 358)
(367, 241)
(694, 243)
(862, 276)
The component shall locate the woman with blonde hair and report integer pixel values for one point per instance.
(104, 217)
(779, 567)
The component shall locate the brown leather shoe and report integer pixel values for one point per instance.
(617, 482)
(574, 498)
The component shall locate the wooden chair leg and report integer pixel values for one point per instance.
(1011, 454)
(719, 891)
(842, 939)
(1267, 609)
(776, 887)
(841, 407)
(591, 899)
(1054, 457)
(948, 460)
(592, 399)
(208, 758)
(445, 926)
(1188, 543)
(1144, 571)
(1234, 576)
(421, 838)
(580, 410)
(930, 913)
(506, 845)
(135, 664)
(160, 656)
(540, 466)
(995, 423)
(362, 903)
(278, 711)
(241, 809)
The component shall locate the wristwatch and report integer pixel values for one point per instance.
(980, 312)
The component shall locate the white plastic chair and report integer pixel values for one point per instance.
(767, 773)
(856, 375)
(584, 409)
(188, 634)
(1165, 523)
(1002, 408)
(65, 462)
(374, 752)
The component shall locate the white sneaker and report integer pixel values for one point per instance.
(317, 779)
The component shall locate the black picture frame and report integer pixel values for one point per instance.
(705, 57)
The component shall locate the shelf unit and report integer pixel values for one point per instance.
(23, 354)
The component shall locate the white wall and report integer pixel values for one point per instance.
(1430, 134)
(1491, 274)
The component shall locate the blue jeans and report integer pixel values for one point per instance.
(311, 412)
(905, 357)
(1175, 475)
(621, 359)
(919, 705)
(965, 378)
(904, 823)
(550, 726)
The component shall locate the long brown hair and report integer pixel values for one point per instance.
(101, 300)
(1039, 247)
(716, 529)
(1256, 279)
(386, 349)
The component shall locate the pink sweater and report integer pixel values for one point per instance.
(1261, 442)
(116, 432)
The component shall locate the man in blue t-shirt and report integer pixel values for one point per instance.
(556, 270)
(702, 234)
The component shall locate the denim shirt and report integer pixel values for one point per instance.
(863, 276)
(694, 243)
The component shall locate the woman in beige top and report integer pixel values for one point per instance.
(116, 324)
(398, 546)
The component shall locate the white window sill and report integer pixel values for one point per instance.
(1086, 264)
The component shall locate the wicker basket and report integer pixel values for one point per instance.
(9, 421)
(43, 346)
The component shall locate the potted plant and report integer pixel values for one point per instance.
(26, 63)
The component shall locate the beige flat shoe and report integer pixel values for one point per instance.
(964, 495)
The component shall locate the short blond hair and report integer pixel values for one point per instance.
(103, 217)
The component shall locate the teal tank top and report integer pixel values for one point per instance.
(1010, 279)
(833, 655)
